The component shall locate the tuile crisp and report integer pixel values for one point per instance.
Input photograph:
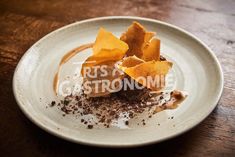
(141, 43)
(143, 56)
(149, 69)
(136, 37)
(107, 41)
(107, 50)
(131, 61)
(152, 51)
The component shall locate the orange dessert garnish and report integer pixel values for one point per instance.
(107, 50)
(144, 60)
(145, 72)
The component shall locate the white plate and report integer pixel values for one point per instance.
(196, 70)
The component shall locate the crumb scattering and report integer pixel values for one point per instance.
(108, 111)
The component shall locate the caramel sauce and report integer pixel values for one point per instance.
(65, 59)
(176, 97)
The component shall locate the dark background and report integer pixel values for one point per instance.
(22, 23)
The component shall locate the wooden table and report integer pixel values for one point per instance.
(22, 23)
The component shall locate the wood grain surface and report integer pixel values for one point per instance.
(22, 23)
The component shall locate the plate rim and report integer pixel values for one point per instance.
(69, 138)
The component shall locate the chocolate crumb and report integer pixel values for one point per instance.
(162, 58)
(230, 42)
(89, 126)
(107, 109)
(112, 112)
(131, 115)
(52, 103)
(66, 102)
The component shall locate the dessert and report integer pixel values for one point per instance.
(122, 79)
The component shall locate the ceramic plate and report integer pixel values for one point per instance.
(196, 70)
